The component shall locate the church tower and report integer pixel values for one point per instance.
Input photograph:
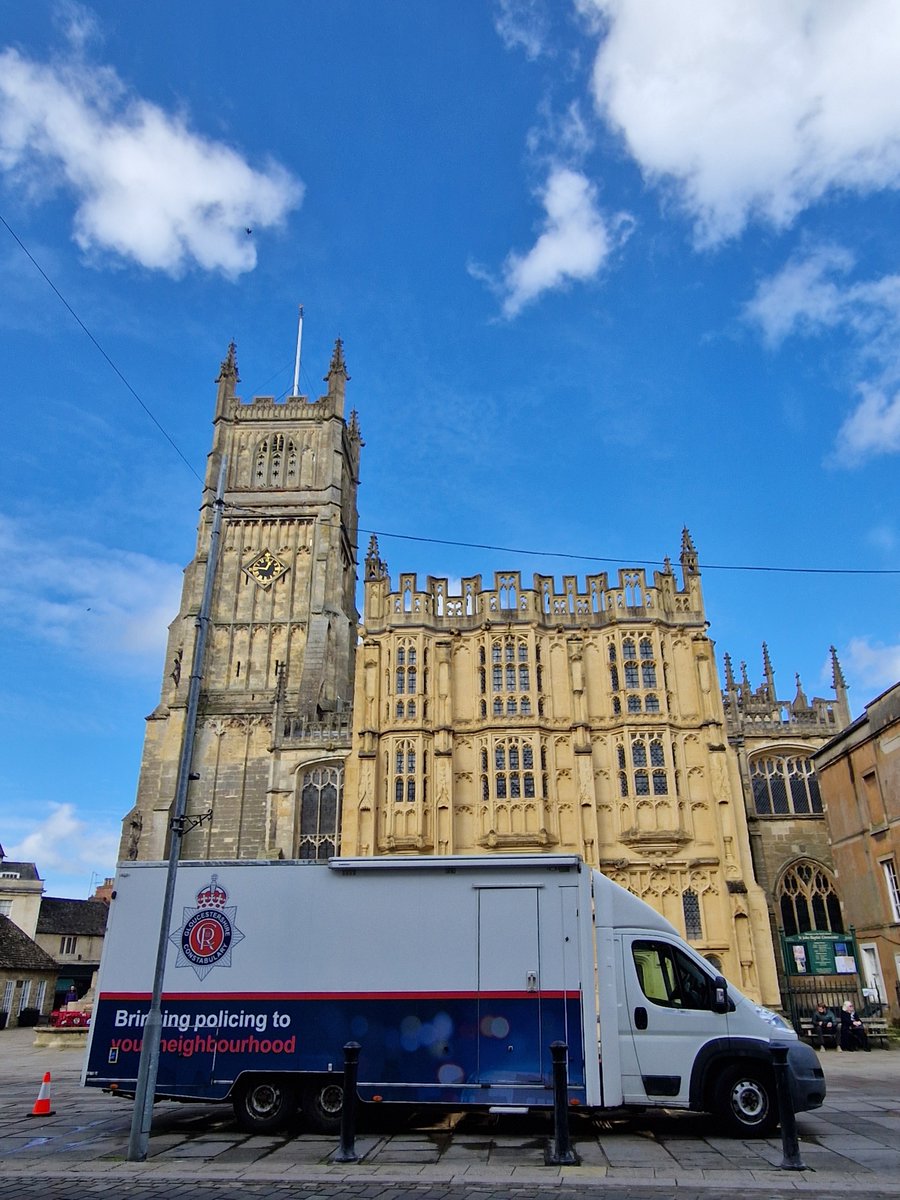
(273, 723)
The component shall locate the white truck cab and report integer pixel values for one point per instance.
(686, 1037)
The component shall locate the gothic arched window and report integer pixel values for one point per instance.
(646, 751)
(511, 675)
(785, 785)
(405, 773)
(321, 792)
(807, 900)
(275, 462)
(513, 774)
(405, 676)
(690, 906)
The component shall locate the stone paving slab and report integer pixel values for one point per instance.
(852, 1144)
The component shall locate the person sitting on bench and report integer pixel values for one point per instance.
(853, 1032)
(824, 1027)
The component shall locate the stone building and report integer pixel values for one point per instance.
(21, 889)
(27, 977)
(69, 931)
(72, 933)
(501, 717)
(273, 725)
(580, 719)
(774, 740)
(859, 771)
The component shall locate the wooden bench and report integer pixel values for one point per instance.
(877, 1030)
(807, 1032)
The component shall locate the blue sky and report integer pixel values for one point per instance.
(603, 268)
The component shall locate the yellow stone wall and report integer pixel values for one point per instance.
(574, 719)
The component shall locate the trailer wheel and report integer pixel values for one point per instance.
(745, 1101)
(264, 1105)
(322, 1104)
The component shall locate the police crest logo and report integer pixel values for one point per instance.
(207, 932)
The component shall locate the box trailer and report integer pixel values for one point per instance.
(454, 974)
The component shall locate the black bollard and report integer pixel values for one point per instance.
(346, 1152)
(560, 1153)
(790, 1147)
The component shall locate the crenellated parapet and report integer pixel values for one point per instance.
(753, 712)
(598, 601)
(268, 408)
(286, 445)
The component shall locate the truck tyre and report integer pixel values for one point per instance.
(264, 1105)
(745, 1101)
(322, 1104)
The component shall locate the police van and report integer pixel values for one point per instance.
(453, 974)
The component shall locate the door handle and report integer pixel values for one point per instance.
(640, 1018)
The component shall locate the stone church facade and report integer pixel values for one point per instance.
(576, 718)
(509, 716)
(774, 741)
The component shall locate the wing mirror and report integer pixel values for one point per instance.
(720, 1003)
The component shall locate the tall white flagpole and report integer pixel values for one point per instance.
(296, 391)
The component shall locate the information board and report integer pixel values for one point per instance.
(820, 953)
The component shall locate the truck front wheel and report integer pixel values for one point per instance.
(745, 1101)
(264, 1105)
(322, 1103)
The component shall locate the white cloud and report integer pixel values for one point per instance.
(575, 242)
(147, 187)
(110, 606)
(801, 297)
(813, 293)
(66, 850)
(871, 667)
(78, 24)
(522, 25)
(872, 428)
(568, 134)
(752, 110)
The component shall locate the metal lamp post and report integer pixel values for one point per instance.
(148, 1067)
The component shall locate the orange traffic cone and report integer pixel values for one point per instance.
(42, 1104)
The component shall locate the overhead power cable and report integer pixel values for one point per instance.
(409, 537)
(243, 511)
(97, 345)
(636, 562)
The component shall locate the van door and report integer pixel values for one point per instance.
(668, 997)
(509, 989)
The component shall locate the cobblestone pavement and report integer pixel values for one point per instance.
(168, 1189)
(851, 1145)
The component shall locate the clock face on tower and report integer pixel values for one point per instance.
(265, 569)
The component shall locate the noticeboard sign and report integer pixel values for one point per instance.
(818, 953)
